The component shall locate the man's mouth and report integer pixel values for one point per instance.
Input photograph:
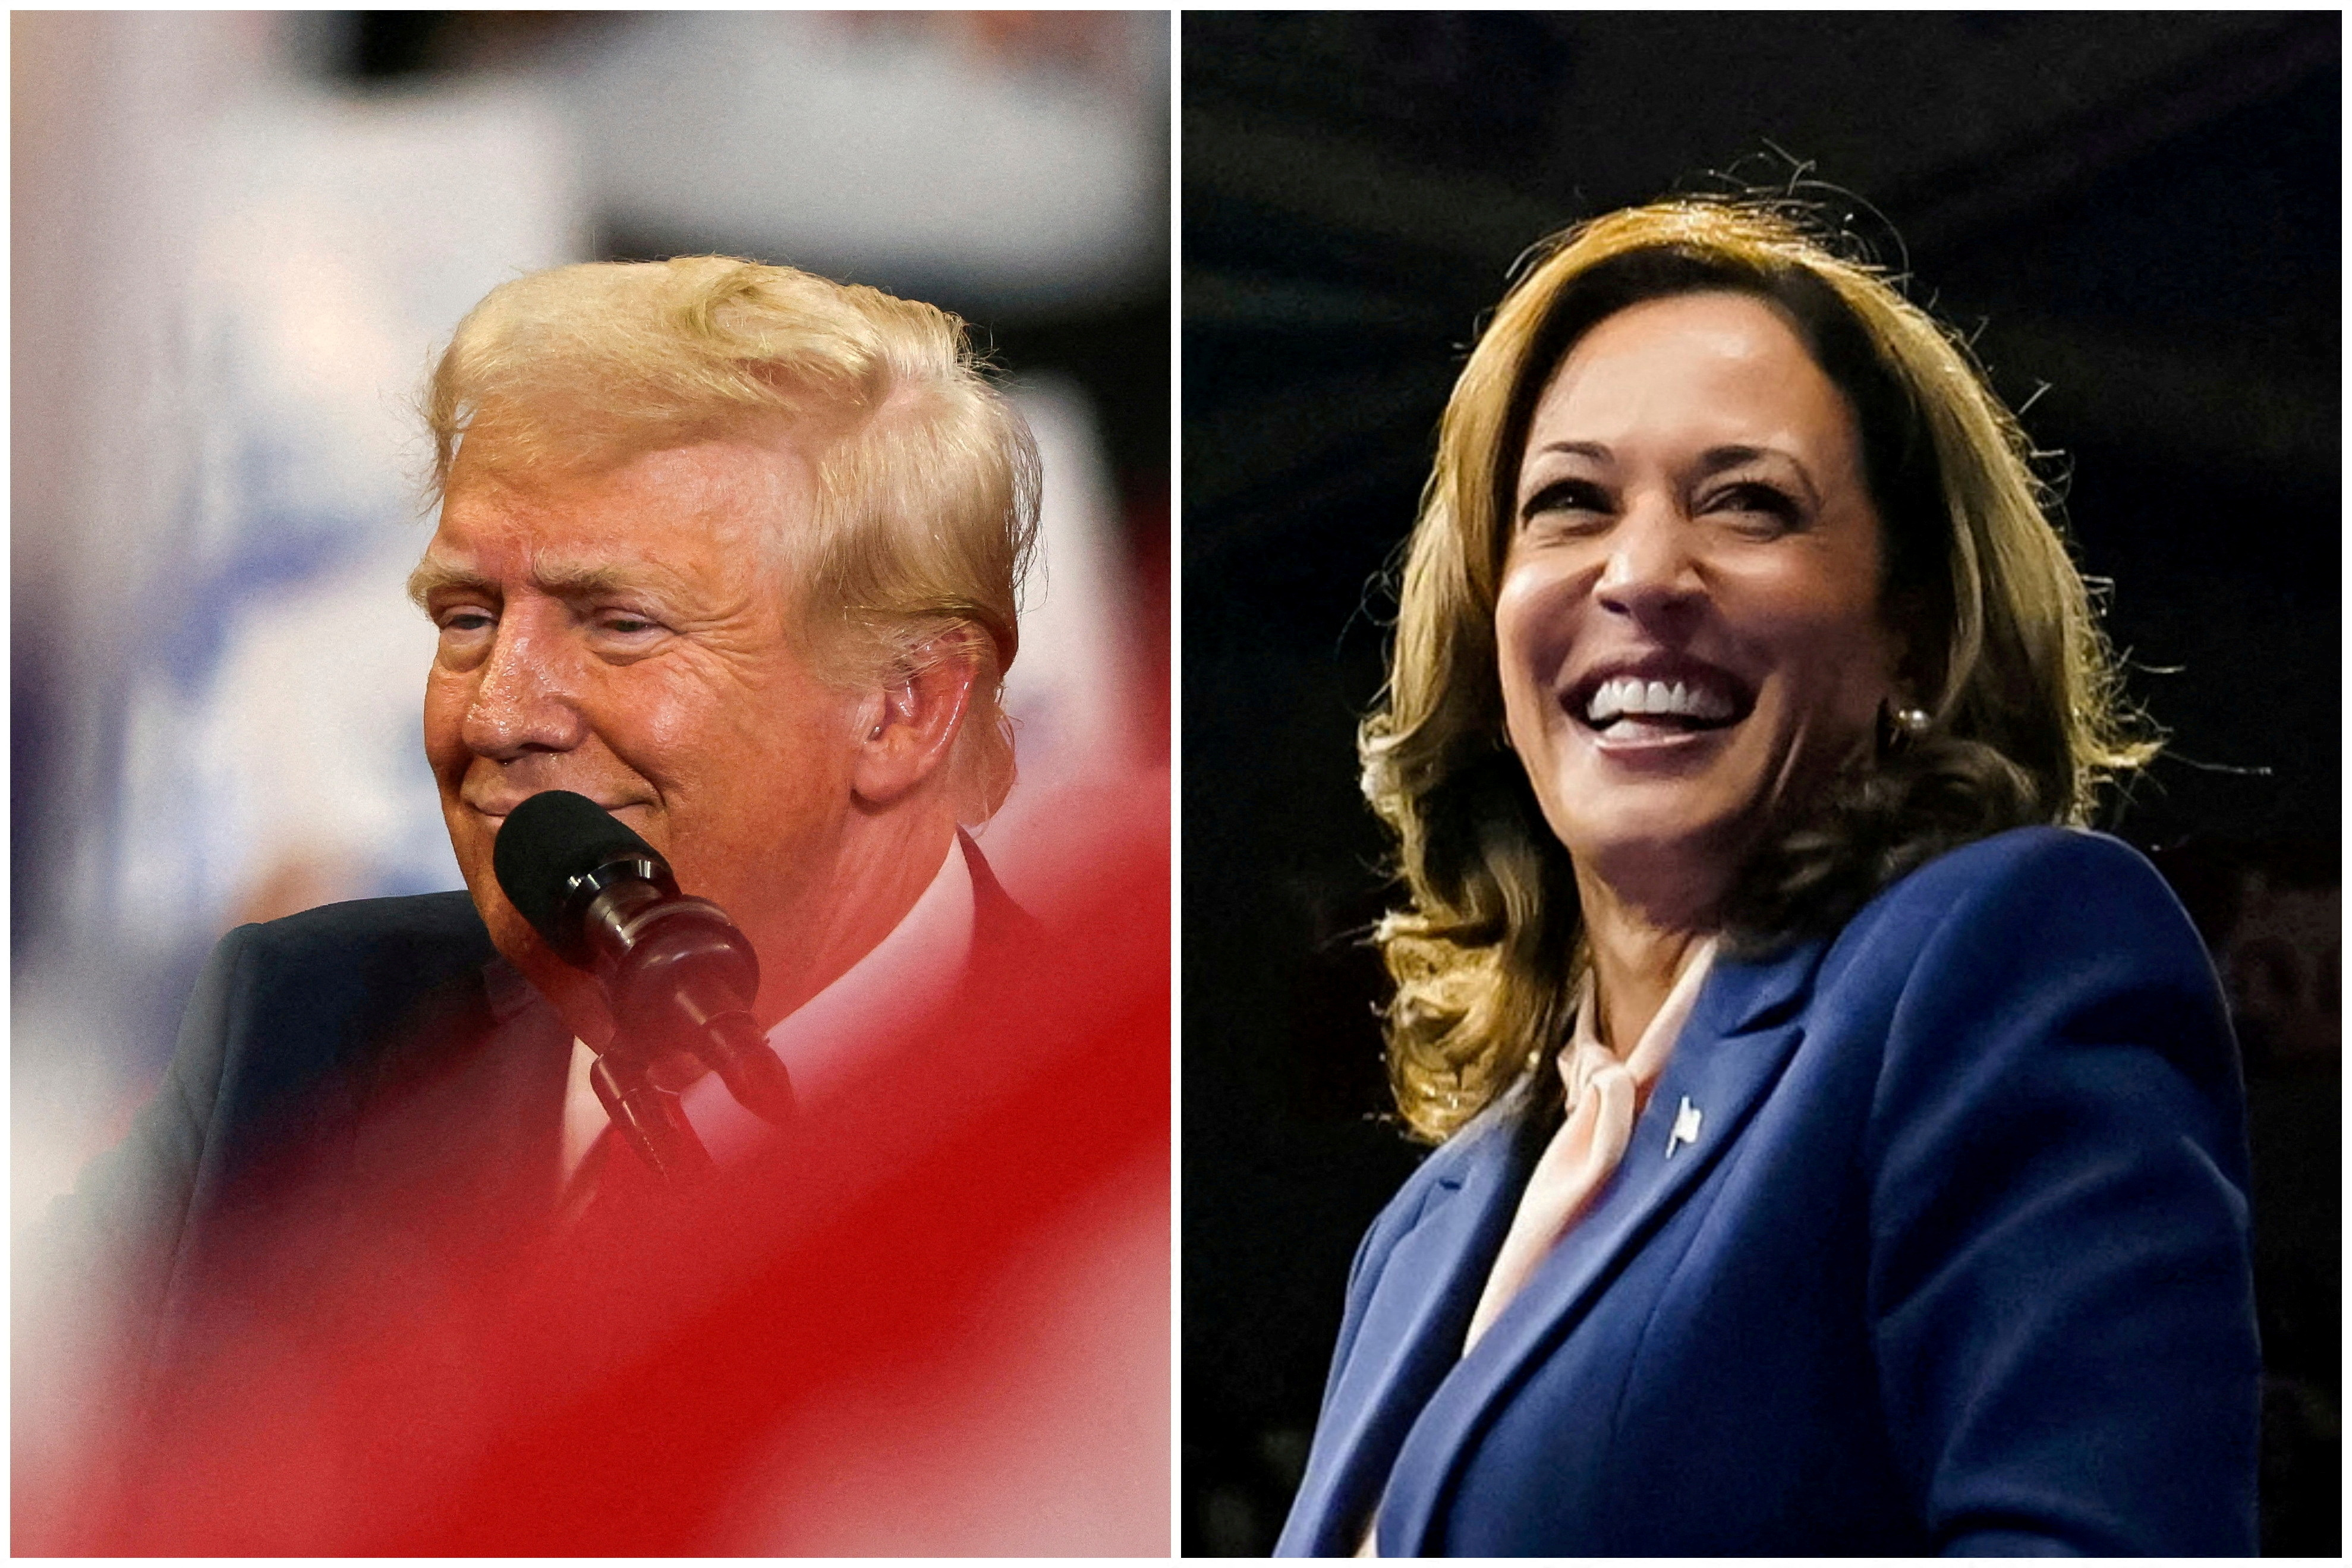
(1683, 698)
(496, 806)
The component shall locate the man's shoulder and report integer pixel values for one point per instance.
(429, 927)
(285, 1030)
(361, 953)
(330, 989)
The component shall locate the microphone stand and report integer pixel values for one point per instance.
(650, 1118)
(674, 971)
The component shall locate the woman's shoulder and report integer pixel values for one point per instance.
(2034, 923)
(2013, 925)
(2029, 973)
(2025, 859)
(2037, 882)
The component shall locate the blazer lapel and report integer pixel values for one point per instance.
(1413, 1323)
(1748, 1022)
(458, 1138)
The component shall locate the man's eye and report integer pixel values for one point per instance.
(466, 621)
(629, 625)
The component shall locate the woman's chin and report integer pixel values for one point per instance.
(1637, 837)
(1659, 841)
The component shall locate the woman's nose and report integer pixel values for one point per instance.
(1650, 572)
(525, 697)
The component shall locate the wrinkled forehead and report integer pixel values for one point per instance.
(726, 505)
(533, 454)
(734, 482)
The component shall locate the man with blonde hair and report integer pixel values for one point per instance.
(731, 550)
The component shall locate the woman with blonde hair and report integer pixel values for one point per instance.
(1841, 1150)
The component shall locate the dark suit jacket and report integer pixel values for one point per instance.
(1957, 1263)
(363, 1082)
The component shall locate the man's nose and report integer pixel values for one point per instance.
(526, 698)
(1651, 574)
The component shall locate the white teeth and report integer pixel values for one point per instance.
(1630, 694)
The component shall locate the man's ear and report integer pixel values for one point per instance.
(909, 725)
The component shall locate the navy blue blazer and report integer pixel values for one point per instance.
(1958, 1262)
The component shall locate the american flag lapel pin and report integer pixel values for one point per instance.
(1685, 1129)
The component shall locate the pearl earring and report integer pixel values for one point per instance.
(1899, 726)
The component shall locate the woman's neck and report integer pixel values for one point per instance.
(1637, 954)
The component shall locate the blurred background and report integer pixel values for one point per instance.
(239, 240)
(2138, 219)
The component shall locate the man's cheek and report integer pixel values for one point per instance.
(444, 747)
(654, 725)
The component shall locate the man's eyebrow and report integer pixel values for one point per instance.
(562, 579)
(433, 576)
(557, 578)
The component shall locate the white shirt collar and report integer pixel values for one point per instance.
(908, 972)
(1648, 1056)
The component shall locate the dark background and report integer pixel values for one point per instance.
(2136, 216)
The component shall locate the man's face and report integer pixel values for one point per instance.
(623, 635)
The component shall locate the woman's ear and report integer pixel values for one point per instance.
(908, 725)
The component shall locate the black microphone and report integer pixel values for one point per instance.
(677, 974)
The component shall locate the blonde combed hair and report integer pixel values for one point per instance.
(927, 481)
(2005, 654)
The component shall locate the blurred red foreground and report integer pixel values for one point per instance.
(934, 1321)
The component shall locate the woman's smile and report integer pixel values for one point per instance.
(1664, 705)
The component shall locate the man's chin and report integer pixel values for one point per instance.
(512, 935)
(570, 989)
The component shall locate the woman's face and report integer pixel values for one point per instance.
(1688, 623)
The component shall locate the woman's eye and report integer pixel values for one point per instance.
(1568, 501)
(1759, 506)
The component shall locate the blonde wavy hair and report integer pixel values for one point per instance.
(2005, 655)
(927, 482)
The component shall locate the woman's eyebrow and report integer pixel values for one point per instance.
(1730, 456)
(1596, 450)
